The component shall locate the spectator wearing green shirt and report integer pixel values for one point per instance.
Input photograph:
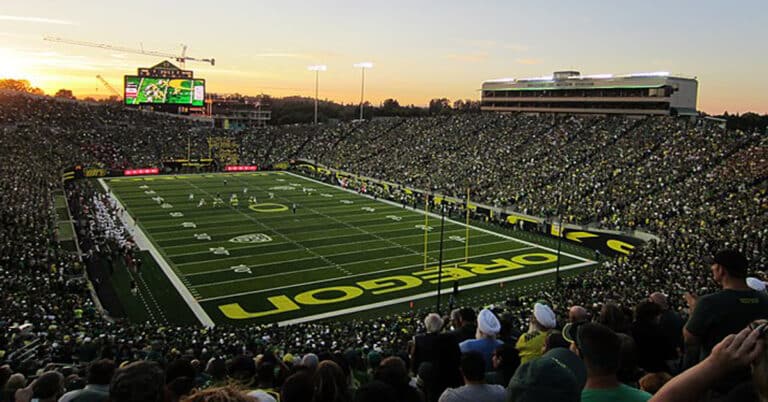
(600, 349)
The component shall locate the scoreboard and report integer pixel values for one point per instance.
(165, 87)
(156, 90)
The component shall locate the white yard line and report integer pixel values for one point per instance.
(345, 277)
(358, 250)
(353, 227)
(372, 217)
(432, 214)
(159, 238)
(143, 242)
(215, 242)
(407, 299)
(269, 228)
(336, 266)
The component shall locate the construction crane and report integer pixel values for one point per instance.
(181, 59)
(110, 88)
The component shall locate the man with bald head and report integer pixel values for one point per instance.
(578, 314)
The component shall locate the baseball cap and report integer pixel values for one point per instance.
(555, 376)
(733, 260)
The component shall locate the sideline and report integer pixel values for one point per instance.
(143, 242)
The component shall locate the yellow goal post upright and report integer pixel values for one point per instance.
(466, 234)
(426, 225)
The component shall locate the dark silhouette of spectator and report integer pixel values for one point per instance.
(505, 360)
(442, 352)
(220, 394)
(179, 379)
(297, 387)
(654, 349)
(392, 371)
(376, 391)
(463, 322)
(716, 315)
(46, 388)
(100, 374)
(671, 325)
(138, 382)
(330, 383)
(612, 316)
(241, 370)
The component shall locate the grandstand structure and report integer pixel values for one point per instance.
(641, 94)
(238, 114)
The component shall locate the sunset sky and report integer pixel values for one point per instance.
(420, 49)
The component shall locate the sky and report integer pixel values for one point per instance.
(420, 49)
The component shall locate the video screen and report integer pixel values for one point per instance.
(176, 91)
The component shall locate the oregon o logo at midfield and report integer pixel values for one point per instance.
(268, 207)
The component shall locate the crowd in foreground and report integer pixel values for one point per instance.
(700, 189)
(470, 357)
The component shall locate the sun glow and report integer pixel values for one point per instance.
(13, 66)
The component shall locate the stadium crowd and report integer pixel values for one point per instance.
(613, 333)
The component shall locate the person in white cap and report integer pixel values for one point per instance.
(488, 326)
(531, 344)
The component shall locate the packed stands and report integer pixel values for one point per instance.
(700, 189)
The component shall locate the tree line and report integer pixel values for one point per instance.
(297, 109)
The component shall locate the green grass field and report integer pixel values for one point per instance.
(339, 254)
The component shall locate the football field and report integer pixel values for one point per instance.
(338, 253)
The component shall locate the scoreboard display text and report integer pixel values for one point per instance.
(173, 91)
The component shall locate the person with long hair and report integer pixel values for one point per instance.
(330, 383)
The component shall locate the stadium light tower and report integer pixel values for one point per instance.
(362, 66)
(317, 68)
